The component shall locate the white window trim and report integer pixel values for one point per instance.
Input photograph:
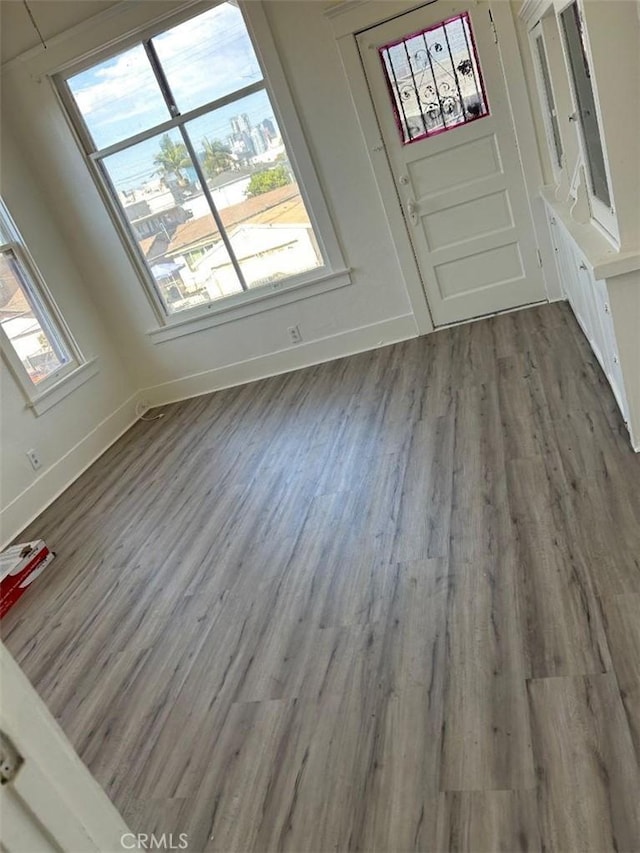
(537, 32)
(254, 301)
(50, 396)
(602, 217)
(258, 299)
(60, 383)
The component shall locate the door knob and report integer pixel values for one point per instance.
(412, 210)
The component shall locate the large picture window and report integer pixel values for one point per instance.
(182, 131)
(33, 336)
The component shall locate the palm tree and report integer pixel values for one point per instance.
(172, 158)
(216, 157)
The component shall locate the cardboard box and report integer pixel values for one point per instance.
(20, 565)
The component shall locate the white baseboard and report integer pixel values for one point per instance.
(292, 358)
(51, 483)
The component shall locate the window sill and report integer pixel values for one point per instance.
(253, 302)
(51, 396)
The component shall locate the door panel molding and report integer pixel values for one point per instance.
(351, 18)
(357, 82)
(453, 162)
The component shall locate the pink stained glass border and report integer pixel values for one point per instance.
(400, 123)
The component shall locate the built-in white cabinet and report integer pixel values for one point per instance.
(589, 299)
(586, 93)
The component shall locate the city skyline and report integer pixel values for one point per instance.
(132, 167)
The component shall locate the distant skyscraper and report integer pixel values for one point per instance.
(259, 142)
(269, 128)
(247, 140)
(241, 123)
(249, 144)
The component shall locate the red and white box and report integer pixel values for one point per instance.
(20, 565)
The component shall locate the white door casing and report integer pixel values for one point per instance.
(51, 801)
(462, 191)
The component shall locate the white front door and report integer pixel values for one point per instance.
(441, 102)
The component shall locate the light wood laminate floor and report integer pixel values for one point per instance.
(388, 603)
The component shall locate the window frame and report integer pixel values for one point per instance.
(334, 273)
(602, 215)
(44, 394)
(556, 158)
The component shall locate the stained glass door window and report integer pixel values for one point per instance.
(434, 79)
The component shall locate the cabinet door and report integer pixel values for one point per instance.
(612, 362)
(572, 261)
(563, 259)
(590, 308)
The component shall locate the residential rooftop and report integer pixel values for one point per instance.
(282, 206)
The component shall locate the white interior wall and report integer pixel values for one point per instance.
(377, 294)
(373, 310)
(67, 227)
(71, 434)
(615, 57)
(534, 101)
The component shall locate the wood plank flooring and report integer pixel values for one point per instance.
(389, 603)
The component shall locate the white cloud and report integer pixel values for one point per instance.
(209, 54)
(115, 79)
(203, 58)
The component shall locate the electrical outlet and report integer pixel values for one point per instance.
(295, 335)
(34, 457)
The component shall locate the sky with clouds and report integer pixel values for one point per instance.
(204, 58)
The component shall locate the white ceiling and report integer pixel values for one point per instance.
(52, 16)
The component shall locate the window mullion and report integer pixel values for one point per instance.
(167, 94)
(181, 118)
(214, 210)
(161, 77)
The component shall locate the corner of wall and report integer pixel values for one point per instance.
(282, 361)
(624, 295)
(23, 509)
